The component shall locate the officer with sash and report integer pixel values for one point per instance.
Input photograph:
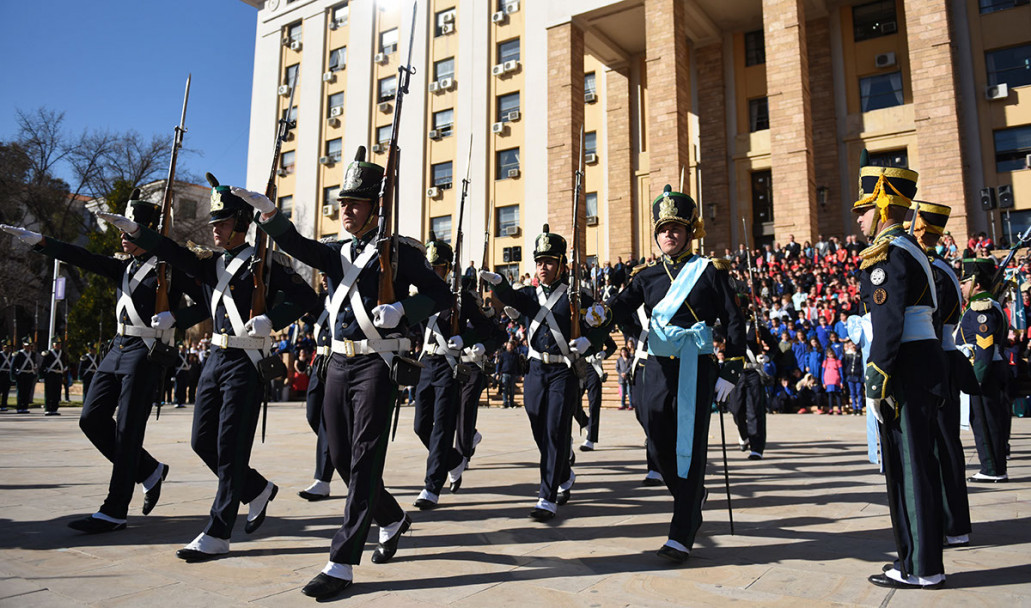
(230, 391)
(684, 295)
(591, 386)
(123, 390)
(367, 342)
(905, 373)
(88, 364)
(930, 225)
(25, 372)
(747, 402)
(54, 365)
(6, 357)
(981, 335)
(319, 488)
(551, 389)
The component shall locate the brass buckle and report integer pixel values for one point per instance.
(349, 348)
(220, 340)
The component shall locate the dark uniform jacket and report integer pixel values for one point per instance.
(474, 326)
(54, 362)
(22, 360)
(984, 328)
(543, 341)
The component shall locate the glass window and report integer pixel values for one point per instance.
(890, 158)
(1010, 66)
(383, 134)
(441, 228)
(758, 114)
(874, 20)
(388, 41)
(329, 195)
(441, 175)
(290, 74)
(286, 206)
(1011, 148)
(443, 122)
(338, 59)
(507, 103)
(187, 208)
(755, 48)
(509, 271)
(292, 117)
(762, 198)
(591, 142)
(507, 216)
(590, 81)
(990, 6)
(443, 18)
(340, 13)
(336, 100)
(334, 148)
(880, 91)
(506, 5)
(293, 32)
(387, 89)
(506, 161)
(591, 204)
(508, 50)
(287, 160)
(445, 68)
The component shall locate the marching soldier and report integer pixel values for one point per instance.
(747, 402)
(88, 369)
(551, 388)
(982, 335)
(24, 373)
(905, 374)
(591, 386)
(122, 391)
(182, 376)
(466, 435)
(365, 368)
(319, 488)
(5, 374)
(229, 395)
(683, 295)
(637, 330)
(54, 365)
(930, 224)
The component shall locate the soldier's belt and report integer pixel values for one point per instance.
(436, 349)
(243, 342)
(353, 348)
(143, 332)
(324, 351)
(550, 359)
(471, 359)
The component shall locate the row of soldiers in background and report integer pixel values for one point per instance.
(24, 368)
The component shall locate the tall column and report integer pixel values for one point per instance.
(939, 138)
(565, 121)
(620, 169)
(791, 130)
(712, 134)
(825, 135)
(669, 93)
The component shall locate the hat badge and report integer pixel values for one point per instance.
(543, 243)
(431, 252)
(667, 208)
(353, 178)
(216, 200)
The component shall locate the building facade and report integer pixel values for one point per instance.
(759, 110)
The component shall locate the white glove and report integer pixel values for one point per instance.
(512, 313)
(595, 315)
(388, 316)
(580, 345)
(163, 320)
(476, 351)
(491, 277)
(259, 327)
(455, 343)
(874, 407)
(723, 388)
(254, 199)
(762, 359)
(120, 222)
(28, 237)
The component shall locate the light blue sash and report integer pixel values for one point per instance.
(686, 344)
(860, 331)
(918, 324)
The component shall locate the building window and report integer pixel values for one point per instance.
(758, 114)
(1010, 66)
(334, 149)
(445, 68)
(388, 41)
(290, 74)
(508, 50)
(889, 158)
(589, 83)
(383, 134)
(508, 220)
(338, 59)
(755, 48)
(874, 20)
(506, 105)
(1012, 146)
(441, 228)
(187, 208)
(507, 160)
(293, 32)
(509, 6)
(286, 206)
(591, 204)
(443, 122)
(880, 91)
(387, 88)
(509, 271)
(336, 100)
(591, 142)
(340, 14)
(329, 196)
(990, 6)
(445, 17)
(287, 160)
(441, 175)
(291, 115)
(762, 199)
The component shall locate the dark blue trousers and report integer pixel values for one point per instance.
(436, 416)
(550, 393)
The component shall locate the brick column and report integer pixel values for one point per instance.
(618, 164)
(565, 120)
(669, 94)
(712, 134)
(791, 131)
(936, 112)
(825, 129)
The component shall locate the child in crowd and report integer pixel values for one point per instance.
(832, 382)
(852, 370)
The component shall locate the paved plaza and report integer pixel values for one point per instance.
(810, 520)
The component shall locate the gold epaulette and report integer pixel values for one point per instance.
(878, 252)
(980, 305)
(122, 256)
(720, 263)
(641, 267)
(200, 251)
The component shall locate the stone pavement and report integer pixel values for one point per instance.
(810, 520)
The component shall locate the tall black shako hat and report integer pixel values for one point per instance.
(981, 270)
(883, 187)
(225, 204)
(679, 208)
(932, 218)
(144, 213)
(549, 245)
(362, 180)
(438, 252)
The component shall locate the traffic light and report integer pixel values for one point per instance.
(987, 199)
(1005, 196)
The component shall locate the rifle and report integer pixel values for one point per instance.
(1022, 240)
(485, 263)
(751, 285)
(574, 252)
(462, 372)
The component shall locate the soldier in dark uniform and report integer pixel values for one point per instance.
(24, 373)
(905, 373)
(230, 392)
(122, 392)
(88, 369)
(683, 296)
(747, 402)
(54, 365)
(319, 488)
(359, 389)
(182, 376)
(930, 224)
(6, 356)
(551, 388)
(591, 386)
(466, 435)
(982, 335)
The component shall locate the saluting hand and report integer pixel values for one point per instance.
(120, 222)
(24, 235)
(255, 199)
(388, 316)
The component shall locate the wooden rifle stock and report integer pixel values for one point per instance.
(161, 303)
(574, 258)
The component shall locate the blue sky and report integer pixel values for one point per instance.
(122, 64)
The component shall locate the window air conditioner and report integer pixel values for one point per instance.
(512, 230)
(498, 70)
(380, 58)
(447, 83)
(1027, 161)
(336, 111)
(511, 66)
(592, 220)
(591, 158)
(282, 172)
(378, 148)
(284, 89)
(884, 60)
(434, 87)
(328, 210)
(334, 122)
(448, 17)
(434, 134)
(590, 97)
(997, 91)
(432, 192)
(498, 127)
(287, 40)
(295, 45)
(333, 25)
(328, 77)
(447, 28)
(513, 116)
(511, 7)
(325, 160)
(499, 17)
(384, 107)
(513, 173)
(889, 27)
